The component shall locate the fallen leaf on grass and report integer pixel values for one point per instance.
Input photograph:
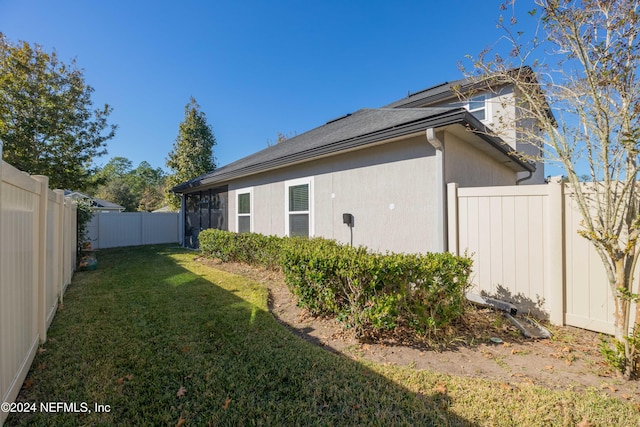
(181, 391)
(610, 387)
(226, 404)
(440, 388)
(548, 367)
(568, 362)
(584, 423)
(180, 422)
(41, 350)
(126, 377)
(28, 383)
(506, 387)
(42, 366)
(515, 351)
(626, 396)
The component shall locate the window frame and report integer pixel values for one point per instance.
(293, 183)
(485, 106)
(239, 192)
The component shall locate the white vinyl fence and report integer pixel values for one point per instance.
(526, 249)
(37, 260)
(111, 230)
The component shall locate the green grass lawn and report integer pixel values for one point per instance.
(164, 340)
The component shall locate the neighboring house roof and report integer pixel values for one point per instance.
(105, 204)
(165, 208)
(95, 202)
(362, 128)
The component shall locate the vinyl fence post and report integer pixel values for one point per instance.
(41, 254)
(555, 251)
(452, 217)
(59, 244)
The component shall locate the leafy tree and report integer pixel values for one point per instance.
(588, 64)
(47, 123)
(149, 186)
(141, 188)
(192, 153)
(117, 167)
(119, 191)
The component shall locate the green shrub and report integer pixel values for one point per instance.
(367, 291)
(250, 248)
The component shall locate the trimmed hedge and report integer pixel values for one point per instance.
(250, 248)
(367, 291)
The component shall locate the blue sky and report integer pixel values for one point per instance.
(255, 67)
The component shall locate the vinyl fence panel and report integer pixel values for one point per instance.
(505, 231)
(526, 249)
(589, 301)
(110, 229)
(19, 336)
(37, 260)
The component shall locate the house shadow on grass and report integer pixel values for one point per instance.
(160, 339)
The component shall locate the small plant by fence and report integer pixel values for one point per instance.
(367, 291)
(37, 259)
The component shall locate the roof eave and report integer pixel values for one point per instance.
(499, 147)
(435, 121)
(500, 150)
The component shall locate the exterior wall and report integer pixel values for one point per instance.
(470, 167)
(389, 189)
(501, 115)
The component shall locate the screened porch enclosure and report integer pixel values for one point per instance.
(202, 210)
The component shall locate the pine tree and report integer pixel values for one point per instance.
(192, 153)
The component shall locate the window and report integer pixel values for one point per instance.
(245, 200)
(299, 209)
(478, 107)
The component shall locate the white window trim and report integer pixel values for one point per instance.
(293, 183)
(487, 110)
(248, 190)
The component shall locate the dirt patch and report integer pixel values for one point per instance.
(570, 360)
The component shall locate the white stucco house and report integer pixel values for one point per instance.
(387, 167)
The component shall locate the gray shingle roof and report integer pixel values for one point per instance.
(361, 128)
(434, 94)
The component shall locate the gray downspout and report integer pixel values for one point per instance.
(524, 178)
(441, 191)
(183, 211)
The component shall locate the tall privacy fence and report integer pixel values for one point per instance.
(112, 230)
(526, 249)
(37, 259)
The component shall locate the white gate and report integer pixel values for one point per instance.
(526, 250)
